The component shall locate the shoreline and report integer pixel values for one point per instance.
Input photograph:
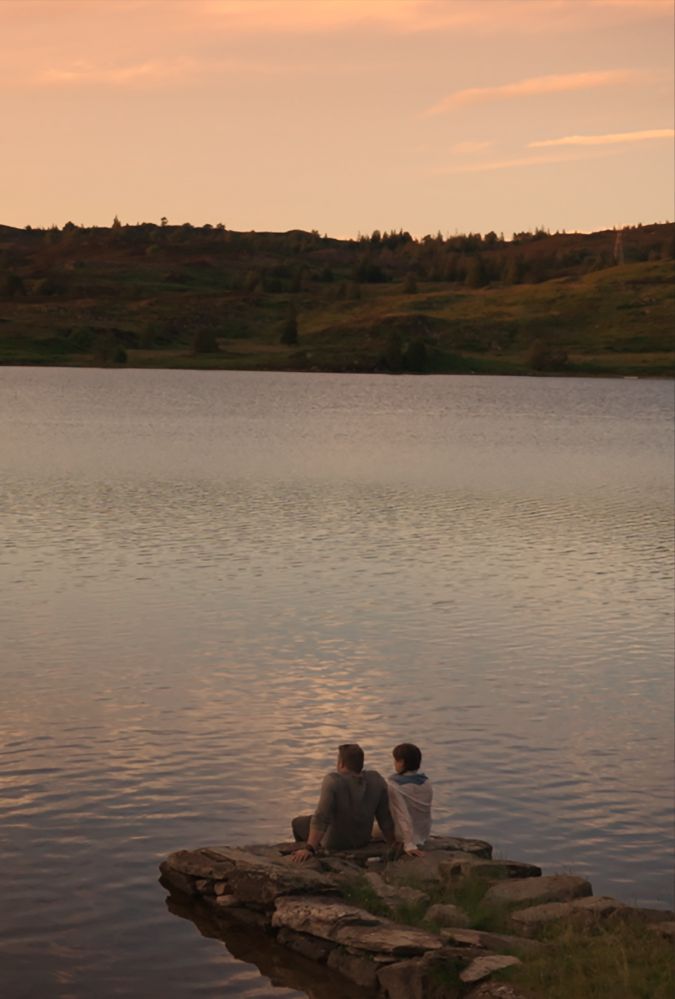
(667, 375)
(454, 923)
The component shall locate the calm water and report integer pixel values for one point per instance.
(211, 579)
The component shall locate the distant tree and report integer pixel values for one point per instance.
(668, 248)
(116, 224)
(369, 272)
(410, 284)
(13, 285)
(49, 286)
(204, 341)
(289, 330)
(164, 221)
(415, 355)
(543, 357)
(536, 270)
(252, 280)
(393, 353)
(476, 276)
(514, 270)
(106, 350)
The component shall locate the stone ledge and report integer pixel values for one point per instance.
(302, 909)
(553, 888)
(585, 909)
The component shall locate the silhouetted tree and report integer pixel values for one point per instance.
(393, 354)
(410, 284)
(289, 330)
(543, 357)
(106, 350)
(514, 270)
(476, 276)
(13, 285)
(204, 341)
(415, 355)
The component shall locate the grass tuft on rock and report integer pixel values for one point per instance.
(358, 892)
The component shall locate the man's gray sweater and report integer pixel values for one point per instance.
(348, 804)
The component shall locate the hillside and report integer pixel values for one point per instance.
(178, 296)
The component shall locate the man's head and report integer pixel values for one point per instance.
(350, 758)
(406, 757)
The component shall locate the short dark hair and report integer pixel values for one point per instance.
(351, 756)
(409, 753)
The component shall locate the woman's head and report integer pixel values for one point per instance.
(406, 757)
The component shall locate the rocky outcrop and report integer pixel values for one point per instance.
(318, 913)
(555, 888)
(490, 870)
(446, 914)
(396, 896)
(483, 967)
(587, 910)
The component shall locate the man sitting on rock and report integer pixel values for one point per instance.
(351, 799)
(410, 797)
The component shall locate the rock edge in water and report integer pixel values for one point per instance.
(304, 908)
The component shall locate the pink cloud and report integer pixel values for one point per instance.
(486, 16)
(533, 87)
(611, 138)
(523, 161)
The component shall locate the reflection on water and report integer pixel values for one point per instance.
(212, 579)
(285, 969)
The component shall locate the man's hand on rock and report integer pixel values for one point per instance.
(301, 855)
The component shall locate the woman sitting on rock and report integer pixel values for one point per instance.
(410, 795)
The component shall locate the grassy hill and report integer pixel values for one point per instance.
(176, 296)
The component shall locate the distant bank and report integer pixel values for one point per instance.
(184, 297)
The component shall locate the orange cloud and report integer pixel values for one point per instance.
(151, 72)
(606, 140)
(85, 73)
(524, 161)
(420, 15)
(533, 87)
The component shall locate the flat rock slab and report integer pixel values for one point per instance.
(446, 914)
(395, 895)
(553, 888)
(422, 870)
(352, 927)
(457, 844)
(483, 967)
(421, 978)
(490, 870)
(251, 877)
(499, 942)
(495, 990)
(592, 908)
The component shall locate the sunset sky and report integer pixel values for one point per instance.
(338, 115)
